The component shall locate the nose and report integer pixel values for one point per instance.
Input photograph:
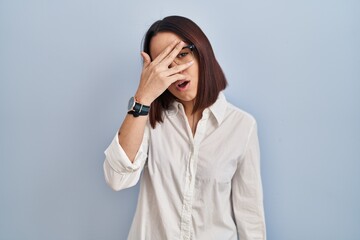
(173, 64)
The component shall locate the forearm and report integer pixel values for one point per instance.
(131, 134)
(156, 77)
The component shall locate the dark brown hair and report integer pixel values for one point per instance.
(211, 77)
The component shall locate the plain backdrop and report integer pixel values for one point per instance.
(68, 68)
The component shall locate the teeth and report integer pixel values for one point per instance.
(180, 82)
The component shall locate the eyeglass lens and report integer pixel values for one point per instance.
(184, 56)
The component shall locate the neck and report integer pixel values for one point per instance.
(188, 107)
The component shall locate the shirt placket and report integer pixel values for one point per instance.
(186, 225)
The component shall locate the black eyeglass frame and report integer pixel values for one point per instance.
(191, 47)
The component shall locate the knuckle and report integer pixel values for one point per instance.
(161, 75)
(151, 65)
(157, 70)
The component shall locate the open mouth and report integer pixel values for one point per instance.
(182, 84)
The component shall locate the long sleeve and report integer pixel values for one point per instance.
(247, 192)
(119, 171)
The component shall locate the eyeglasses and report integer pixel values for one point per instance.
(185, 55)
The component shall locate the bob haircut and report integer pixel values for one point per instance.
(211, 77)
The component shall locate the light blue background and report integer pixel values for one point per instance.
(68, 68)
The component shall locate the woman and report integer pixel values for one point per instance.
(198, 153)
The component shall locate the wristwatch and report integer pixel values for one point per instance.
(137, 109)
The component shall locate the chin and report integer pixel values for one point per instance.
(183, 97)
(186, 99)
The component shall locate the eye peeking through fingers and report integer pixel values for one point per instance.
(181, 55)
(185, 55)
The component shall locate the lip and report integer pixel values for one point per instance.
(181, 89)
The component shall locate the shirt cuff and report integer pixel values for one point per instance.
(119, 161)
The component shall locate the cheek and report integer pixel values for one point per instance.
(172, 89)
(195, 71)
(195, 75)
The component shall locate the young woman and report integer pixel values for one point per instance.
(199, 154)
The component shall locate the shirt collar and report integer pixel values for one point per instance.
(217, 109)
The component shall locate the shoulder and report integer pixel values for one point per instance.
(225, 111)
(237, 115)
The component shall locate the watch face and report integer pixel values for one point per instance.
(131, 103)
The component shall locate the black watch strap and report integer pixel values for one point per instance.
(139, 110)
(136, 114)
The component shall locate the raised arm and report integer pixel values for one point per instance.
(126, 155)
(156, 77)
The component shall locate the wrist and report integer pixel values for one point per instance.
(142, 99)
(137, 109)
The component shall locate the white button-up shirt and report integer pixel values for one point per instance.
(206, 186)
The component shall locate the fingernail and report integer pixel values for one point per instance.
(190, 63)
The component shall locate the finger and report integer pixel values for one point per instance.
(178, 68)
(167, 51)
(176, 77)
(172, 55)
(146, 58)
